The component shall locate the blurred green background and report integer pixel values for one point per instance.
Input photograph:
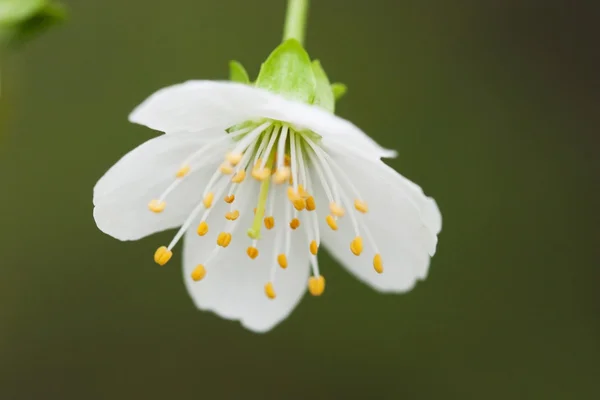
(493, 107)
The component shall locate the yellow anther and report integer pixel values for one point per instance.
(316, 285)
(239, 176)
(281, 175)
(314, 247)
(252, 252)
(234, 158)
(361, 206)
(157, 206)
(224, 239)
(299, 204)
(356, 246)
(269, 291)
(261, 173)
(198, 273)
(310, 203)
(303, 193)
(269, 222)
(282, 261)
(336, 209)
(331, 222)
(254, 210)
(208, 199)
(202, 228)
(162, 255)
(229, 198)
(226, 169)
(291, 193)
(232, 215)
(183, 171)
(377, 263)
(287, 160)
(295, 223)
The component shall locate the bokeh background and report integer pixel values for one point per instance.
(493, 106)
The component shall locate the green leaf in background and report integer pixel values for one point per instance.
(339, 90)
(21, 20)
(288, 72)
(324, 94)
(237, 72)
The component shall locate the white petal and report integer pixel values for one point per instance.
(403, 221)
(233, 286)
(197, 105)
(122, 195)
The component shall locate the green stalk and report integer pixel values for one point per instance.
(295, 20)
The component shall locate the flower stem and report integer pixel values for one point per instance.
(295, 20)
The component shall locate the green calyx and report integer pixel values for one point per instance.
(289, 71)
(20, 20)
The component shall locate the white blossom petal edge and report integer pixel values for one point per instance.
(256, 183)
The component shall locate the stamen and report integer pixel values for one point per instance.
(310, 203)
(252, 252)
(320, 161)
(157, 206)
(263, 144)
(269, 222)
(269, 291)
(331, 222)
(281, 147)
(356, 246)
(229, 198)
(232, 215)
(294, 176)
(202, 228)
(208, 199)
(191, 217)
(267, 153)
(301, 167)
(299, 204)
(295, 223)
(336, 209)
(291, 193)
(162, 255)
(282, 261)
(234, 158)
(313, 159)
(261, 174)
(226, 169)
(361, 206)
(281, 175)
(183, 171)
(314, 247)
(378, 263)
(250, 138)
(224, 239)
(198, 273)
(302, 192)
(239, 176)
(287, 235)
(316, 285)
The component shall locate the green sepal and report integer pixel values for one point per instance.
(324, 94)
(288, 72)
(237, 72)
(23, 19)
(339, 90)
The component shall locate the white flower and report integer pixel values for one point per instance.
(308, 175)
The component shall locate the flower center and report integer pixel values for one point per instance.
(273, 154)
